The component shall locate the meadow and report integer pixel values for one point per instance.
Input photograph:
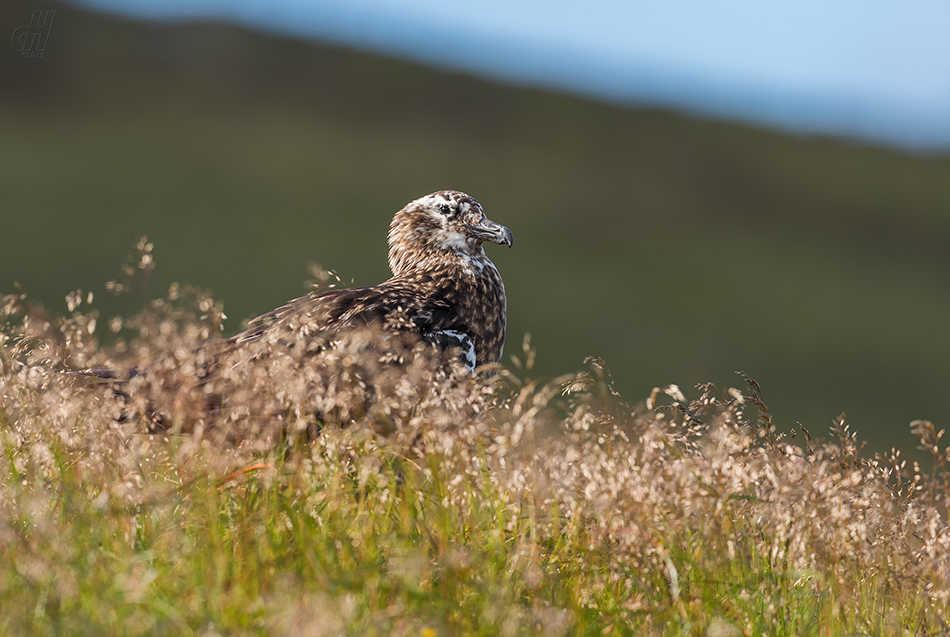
(447, 504)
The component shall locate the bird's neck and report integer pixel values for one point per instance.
(466, 263)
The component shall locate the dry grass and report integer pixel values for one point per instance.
(336, 494)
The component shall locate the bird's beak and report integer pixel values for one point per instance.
(488, 230)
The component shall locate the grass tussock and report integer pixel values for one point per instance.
(345, 492)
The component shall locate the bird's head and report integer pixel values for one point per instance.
(444, 223)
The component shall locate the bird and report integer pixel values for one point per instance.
(443, 288)
(444, 292)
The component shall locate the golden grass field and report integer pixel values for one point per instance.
(439, 503)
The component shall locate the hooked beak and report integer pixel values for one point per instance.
(488, 230)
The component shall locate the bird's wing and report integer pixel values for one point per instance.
(323, 310)
(392, 305)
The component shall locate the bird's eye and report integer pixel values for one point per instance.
(445, 208)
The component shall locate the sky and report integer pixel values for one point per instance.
(868, 69)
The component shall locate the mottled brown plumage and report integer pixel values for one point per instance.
(444, 288)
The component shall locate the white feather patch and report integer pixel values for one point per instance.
(462, 341)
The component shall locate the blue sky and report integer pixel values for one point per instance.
(869, 69)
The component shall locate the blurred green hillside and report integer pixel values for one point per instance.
(679, 250)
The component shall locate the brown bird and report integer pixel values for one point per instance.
(444, 287)
(444, 290)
